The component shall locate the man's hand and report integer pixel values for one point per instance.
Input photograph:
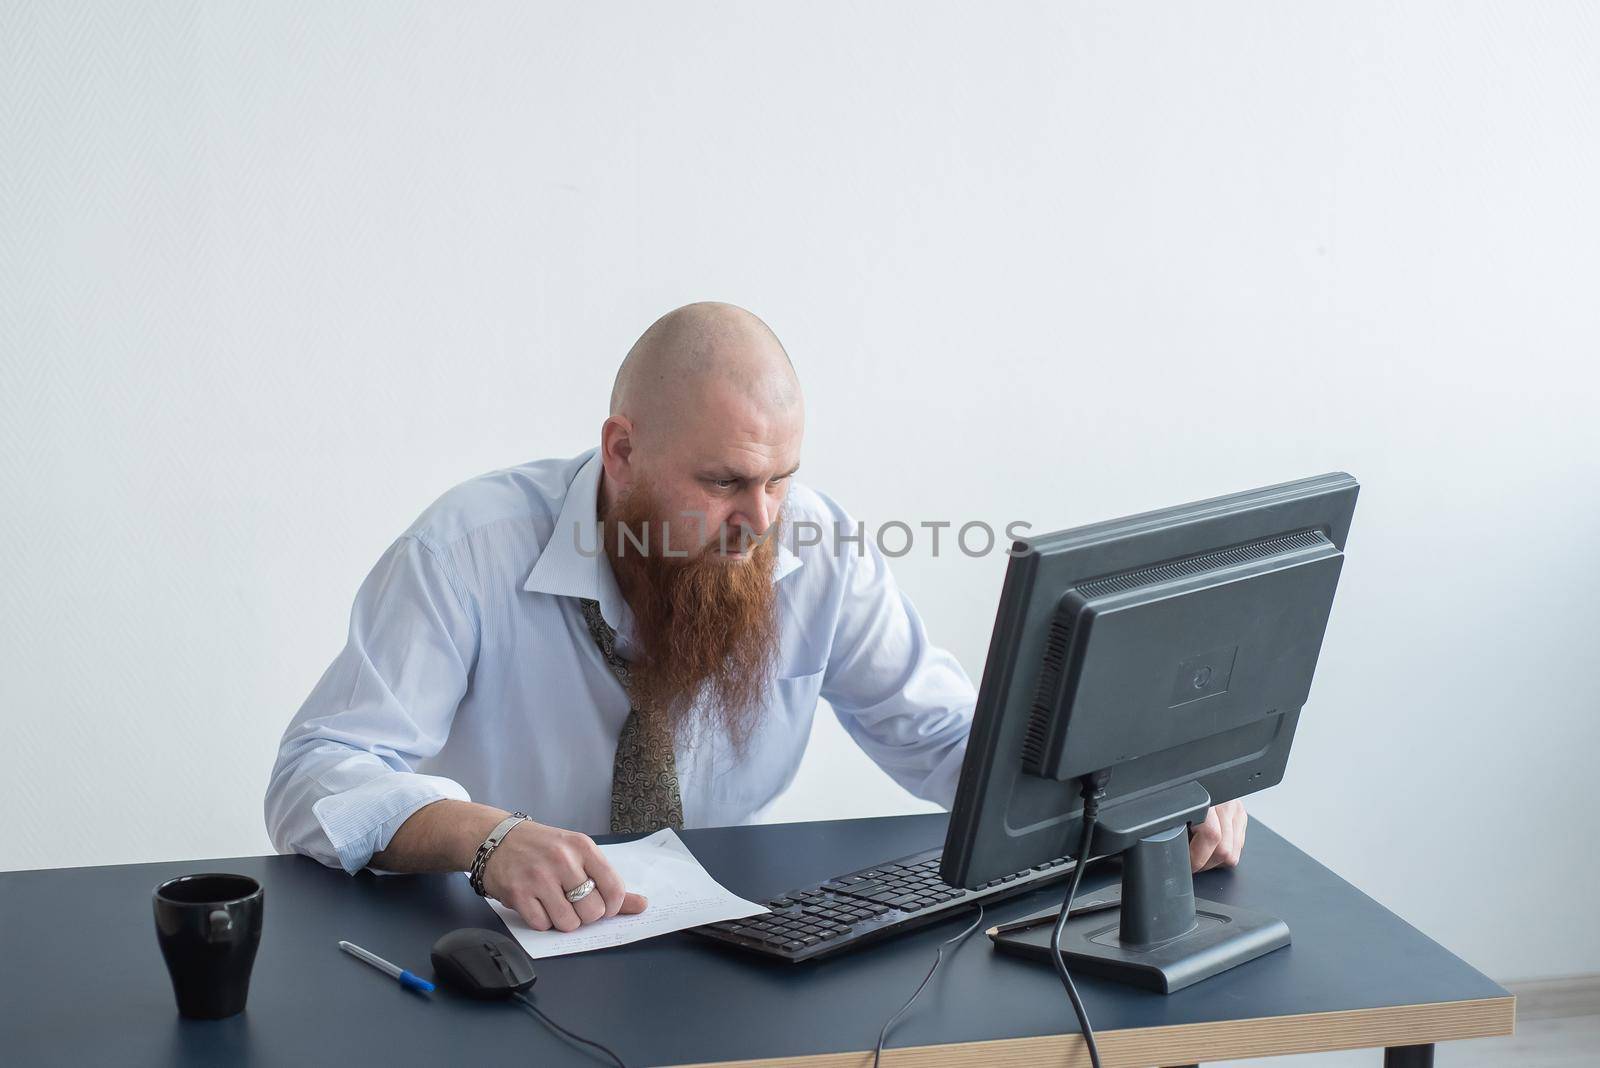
(534, 866)
(531, 869)
(1218, 841)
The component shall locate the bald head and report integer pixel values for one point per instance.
(707, 412)
(698, 349)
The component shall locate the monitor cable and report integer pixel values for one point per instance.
(877, 1052)
(563, 1032)
(1094, 788)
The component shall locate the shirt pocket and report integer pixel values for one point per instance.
(776, 745)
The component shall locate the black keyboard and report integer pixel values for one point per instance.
(866, 905)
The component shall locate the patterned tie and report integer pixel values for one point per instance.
(644, 776)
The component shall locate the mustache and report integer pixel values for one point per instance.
(622, 535)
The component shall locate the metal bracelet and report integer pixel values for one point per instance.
(496, 836)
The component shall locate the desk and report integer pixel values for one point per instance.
(82, 982)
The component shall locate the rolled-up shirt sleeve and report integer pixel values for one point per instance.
(344, 780)
(906, 702)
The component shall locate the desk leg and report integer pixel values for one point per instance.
(1408, 1056)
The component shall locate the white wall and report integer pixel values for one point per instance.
(274, 276)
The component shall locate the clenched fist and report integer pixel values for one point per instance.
(1218, 842)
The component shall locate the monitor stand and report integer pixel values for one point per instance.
(1162, 937)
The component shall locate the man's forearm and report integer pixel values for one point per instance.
(442, 836)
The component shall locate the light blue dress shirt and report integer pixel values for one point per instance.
(469, 673)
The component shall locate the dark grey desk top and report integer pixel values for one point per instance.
(82, 982)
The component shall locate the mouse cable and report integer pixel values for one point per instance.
(564, 1032)
(878, 1050)
(1094, 788)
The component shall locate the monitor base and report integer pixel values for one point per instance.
(1222, 937)
(1163, 938)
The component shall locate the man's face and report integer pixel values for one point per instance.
(723, 472)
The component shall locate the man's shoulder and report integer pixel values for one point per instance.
(806, 503)
(819, 530)
(520, 502)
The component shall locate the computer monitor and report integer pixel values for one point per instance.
(1166, 656)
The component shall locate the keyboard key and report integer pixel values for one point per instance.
(888, 897)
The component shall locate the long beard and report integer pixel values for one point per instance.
(706, 627)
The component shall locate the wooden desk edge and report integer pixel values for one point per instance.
(1265, 1036)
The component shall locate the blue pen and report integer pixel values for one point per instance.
(407, 979)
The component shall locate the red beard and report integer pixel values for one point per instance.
(706, 626)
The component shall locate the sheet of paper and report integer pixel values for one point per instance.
(679, 891)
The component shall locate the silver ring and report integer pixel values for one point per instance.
(578, 893)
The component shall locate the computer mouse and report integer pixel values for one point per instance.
(482, 963)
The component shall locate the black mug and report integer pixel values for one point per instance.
(209, 927)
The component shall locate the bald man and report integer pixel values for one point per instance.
(618, 642)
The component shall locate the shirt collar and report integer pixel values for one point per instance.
(572, 563)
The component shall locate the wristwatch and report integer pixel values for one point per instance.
(496, 836)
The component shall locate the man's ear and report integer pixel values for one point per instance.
(616, 450)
